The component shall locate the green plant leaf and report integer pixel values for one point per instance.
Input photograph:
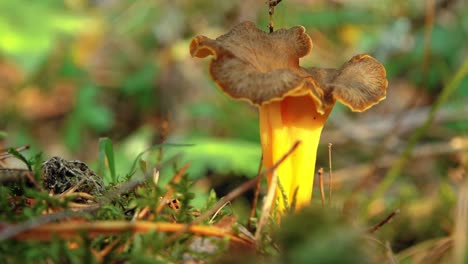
(106, 151)
(223, 156)
(20, 156)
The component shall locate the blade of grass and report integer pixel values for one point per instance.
(19, 156)
(106, 151)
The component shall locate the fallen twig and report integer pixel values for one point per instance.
(13, 230)
(4, 154)
(271, 11)
(105, 251)
(69, 230)
(383, 222)
(322, 191)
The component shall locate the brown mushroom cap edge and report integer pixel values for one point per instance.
(258, 67)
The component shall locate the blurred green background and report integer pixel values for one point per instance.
(76, 70)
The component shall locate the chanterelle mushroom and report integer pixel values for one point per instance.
(294, 102)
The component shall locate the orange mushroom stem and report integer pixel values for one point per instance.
(282, 123)
(294, 103)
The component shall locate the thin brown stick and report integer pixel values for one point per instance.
(74, 205)
(322, 191)
(176, 179)
(71, 189)
(83, 195)
(253, 209)
(73, 229)
(142, 213)
(217, 212)
(271, 11)
(12, 231)
(266, 209)
(105, 251)
(31, 178)
(330, 173)
(4, 154)
(383, 222)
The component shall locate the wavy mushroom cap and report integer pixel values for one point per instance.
(252, 65)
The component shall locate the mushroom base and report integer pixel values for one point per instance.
(282, 123)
